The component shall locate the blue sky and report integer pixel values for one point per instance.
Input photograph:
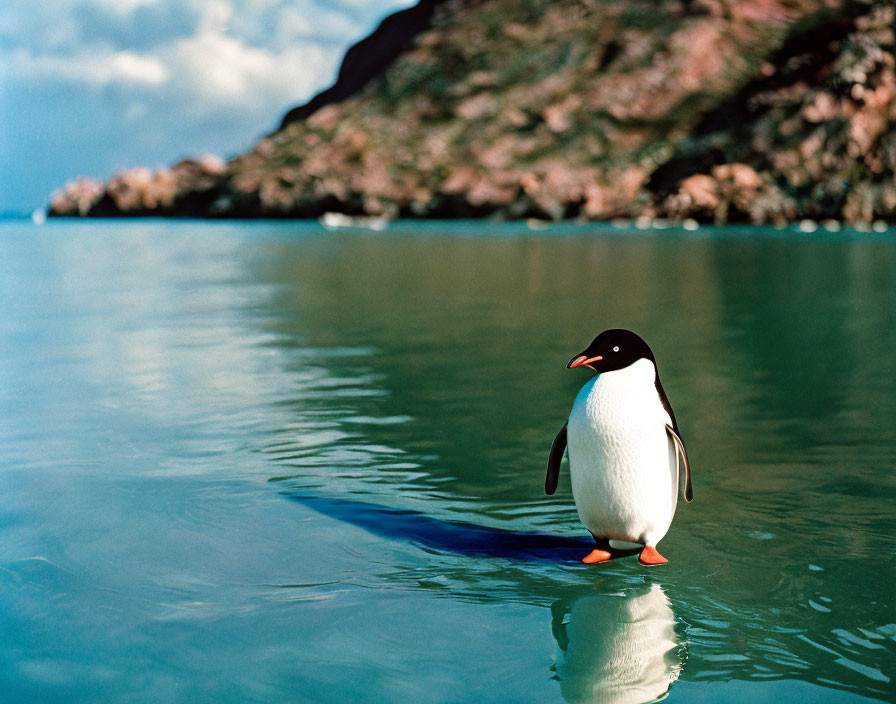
(91, 86)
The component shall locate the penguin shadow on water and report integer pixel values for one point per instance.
(458, 537)
(616, 648)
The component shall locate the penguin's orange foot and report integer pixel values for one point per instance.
(650, 556)
(596, 555)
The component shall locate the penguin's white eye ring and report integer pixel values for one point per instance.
(616, 349)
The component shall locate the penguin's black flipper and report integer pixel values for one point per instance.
(558, 447)
(684, 480)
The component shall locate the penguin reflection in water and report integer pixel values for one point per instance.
(616, 648)
(627, 461)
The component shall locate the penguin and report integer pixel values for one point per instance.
(627, 461)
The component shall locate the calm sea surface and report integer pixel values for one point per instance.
(264, 462)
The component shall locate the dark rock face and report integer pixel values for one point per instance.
(716, 110)
(370, 57)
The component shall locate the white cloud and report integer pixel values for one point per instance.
(239, 53)
(217, 65)
(216, 14)
(213, 71)
(293, 22)
(122, 8)
(296, 23)
(96, 68)
(134, 68)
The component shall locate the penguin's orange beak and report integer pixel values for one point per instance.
(583, 361)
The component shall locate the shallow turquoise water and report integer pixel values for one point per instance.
(267, 462)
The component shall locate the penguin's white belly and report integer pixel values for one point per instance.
(622, 463)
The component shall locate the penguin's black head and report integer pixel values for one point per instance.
(611, 350)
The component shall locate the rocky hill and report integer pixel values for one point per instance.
(716, 110)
